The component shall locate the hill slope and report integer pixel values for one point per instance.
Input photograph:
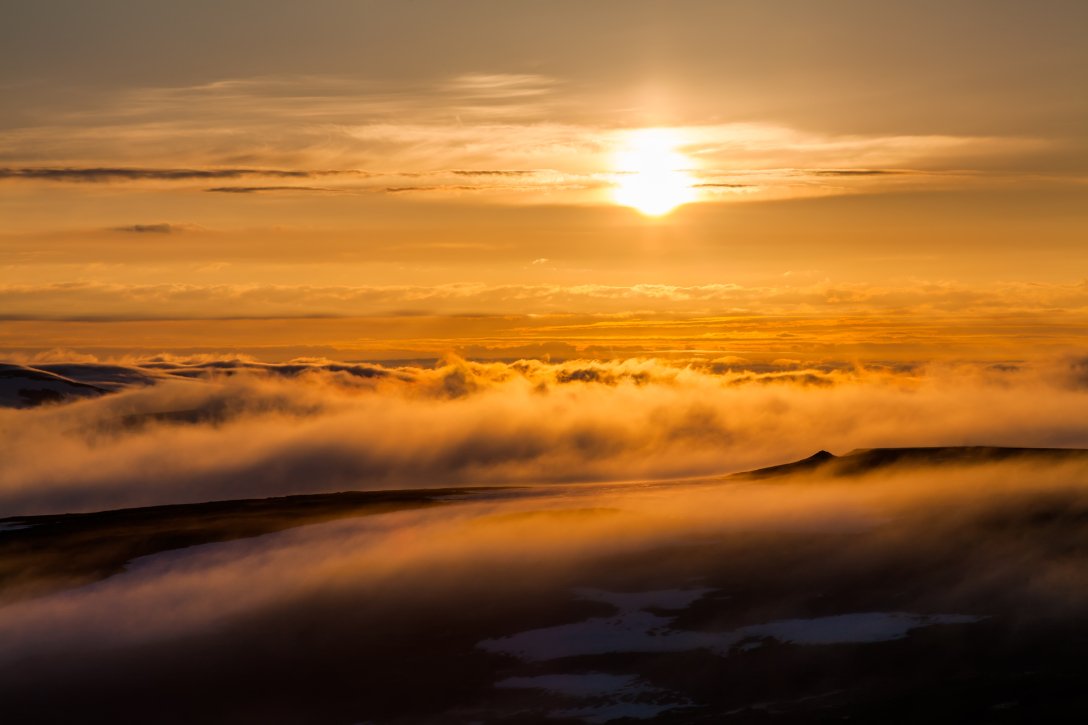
(865, 460)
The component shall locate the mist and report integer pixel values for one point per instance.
(189, 431)
(978, 542)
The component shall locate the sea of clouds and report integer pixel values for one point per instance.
(172, 430)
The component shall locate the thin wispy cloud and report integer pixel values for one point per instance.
(105, 174)
(500, 85)
(300, 127)
(261, 189)
(161, 228)
(924, 298)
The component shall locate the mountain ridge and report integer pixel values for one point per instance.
(863, 460)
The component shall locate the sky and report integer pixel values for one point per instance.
(833, 181)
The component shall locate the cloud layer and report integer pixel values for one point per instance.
(510, 137)
(800, 296)
(215, 429)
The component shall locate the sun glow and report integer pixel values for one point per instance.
(652, 175)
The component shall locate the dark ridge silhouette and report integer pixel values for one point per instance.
(865, 460)
(40, 554)
(18, 372)
(813, 462)
(26, 387)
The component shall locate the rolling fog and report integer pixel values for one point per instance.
(195, 430)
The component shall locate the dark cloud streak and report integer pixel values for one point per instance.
(490, 172)
(261, 189)
(859, 172)
(149, 228)
(107, 174)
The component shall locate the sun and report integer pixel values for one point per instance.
(651, 175)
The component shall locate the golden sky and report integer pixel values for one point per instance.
(401, 180)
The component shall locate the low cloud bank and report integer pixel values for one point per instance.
(204, 429)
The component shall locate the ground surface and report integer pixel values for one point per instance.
(972, 612)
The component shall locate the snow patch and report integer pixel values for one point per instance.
(633, 629)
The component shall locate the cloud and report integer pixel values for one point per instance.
(150, 228)
(860, 172)
(815, 322)
(917, 302)
(499, 86)
(107, 174)
(229, 427)
(532, 131)
(464, 172)
(351, 180)
(259, 189)
(443, 187)
(979, 540)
